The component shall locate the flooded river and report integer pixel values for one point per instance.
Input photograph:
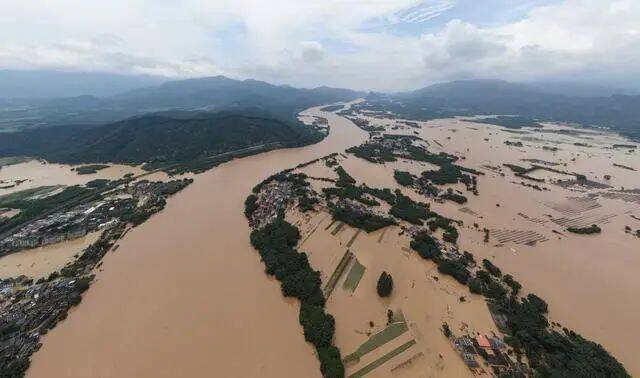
(186, 294)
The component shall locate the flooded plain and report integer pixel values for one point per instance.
(40, 262)
(35, 173)
(589, 281)
(186, 294)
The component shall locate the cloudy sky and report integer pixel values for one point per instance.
(361, 44)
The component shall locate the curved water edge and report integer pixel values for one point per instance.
(186, 294)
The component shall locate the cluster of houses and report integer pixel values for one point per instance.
(28, 310)
(57, 227)
(354, 207)
(272, 200)
(69, 224)
(490, 349)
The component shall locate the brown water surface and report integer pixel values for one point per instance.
(186, 294)
(42, 261)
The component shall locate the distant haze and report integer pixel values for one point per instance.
(49, 84)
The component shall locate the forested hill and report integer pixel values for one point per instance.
(162, 139)
(202, 94)
(488, 97)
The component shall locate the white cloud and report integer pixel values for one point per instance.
(427, 11)
(291, 41)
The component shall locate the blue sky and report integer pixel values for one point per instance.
(373, 44)
(429, 16)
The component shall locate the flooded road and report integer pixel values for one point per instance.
(186, 294)
(41, 261)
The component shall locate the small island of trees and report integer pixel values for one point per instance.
(385, 285)
(593, 229)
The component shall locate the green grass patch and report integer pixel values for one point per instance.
(380, 361)
(355, 275)
(337, 273)
(379, 339)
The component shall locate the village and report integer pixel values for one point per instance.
(76, 222)
(30, 309)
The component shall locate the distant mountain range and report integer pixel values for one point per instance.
(482, 97)
(51, 84)
(203, 94)
(178, 122)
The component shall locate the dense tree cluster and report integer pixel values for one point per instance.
(373, 152)
(455, 268)
(421, 154)
(407, 209)
(492, 269)
(349, 192)
(384, 194)
(385, 285)
(276, 244)
(426, 246)
(345, 189)
(344, 179)
(450, 233)
(305, 195)
(593, 229)
(455, 197)
(512, 283)
(359, 219)
(446, 174)
(90, 169)
(403, 178)
(250, 205)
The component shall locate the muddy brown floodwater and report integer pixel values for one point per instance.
(186, 294)
(38, 173)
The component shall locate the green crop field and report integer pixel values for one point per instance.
(354, 276)
(379, 339)
(380, 361)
